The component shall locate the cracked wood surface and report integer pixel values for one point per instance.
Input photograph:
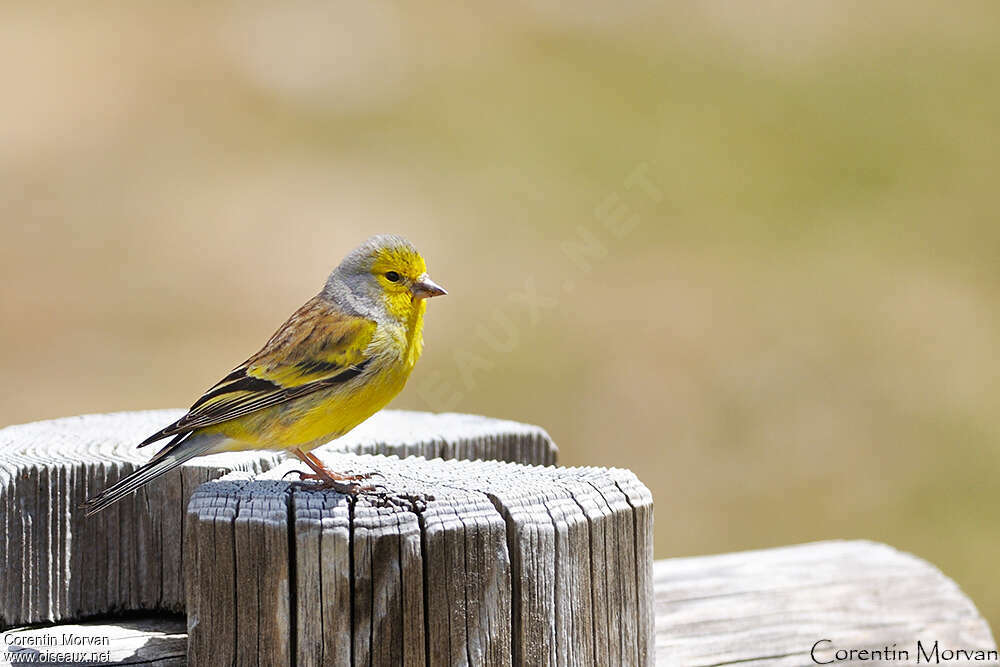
(763, 608)
(59, 565)
(461, 562)
(770, 607)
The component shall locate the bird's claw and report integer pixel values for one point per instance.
(350, 474)
(312, 481)
(378, 495)
(302, 475)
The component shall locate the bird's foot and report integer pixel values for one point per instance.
(350, 475)
(377, 495)
(347, 485)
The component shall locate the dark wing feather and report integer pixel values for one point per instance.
(318, 347)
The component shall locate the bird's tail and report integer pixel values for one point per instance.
(176, 452)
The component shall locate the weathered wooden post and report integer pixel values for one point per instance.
(464, 562)
(60, 565)
(491, 556)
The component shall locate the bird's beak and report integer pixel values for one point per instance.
(425, 288)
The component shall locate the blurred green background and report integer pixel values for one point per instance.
(748, 250)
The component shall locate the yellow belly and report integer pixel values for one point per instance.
(316, 418)
(319, 417)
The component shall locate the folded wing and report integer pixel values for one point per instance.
(318, 347)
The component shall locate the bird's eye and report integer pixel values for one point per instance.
(392, 277)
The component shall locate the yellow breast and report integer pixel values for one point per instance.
(319, 417)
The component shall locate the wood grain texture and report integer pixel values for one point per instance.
(770, 607)
(763, 608)
(60, 565)
(460, 563)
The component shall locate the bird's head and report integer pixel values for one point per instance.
(384, 275)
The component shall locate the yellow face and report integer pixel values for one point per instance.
(402, 276)
(397, 268)
(384, 276)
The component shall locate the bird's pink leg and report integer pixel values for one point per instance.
(326, 477)
(317, 465)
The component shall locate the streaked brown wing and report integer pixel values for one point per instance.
(318, 347)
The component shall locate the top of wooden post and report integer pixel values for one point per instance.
(60, 565)
(457, 562)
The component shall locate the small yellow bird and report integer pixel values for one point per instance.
(337, 361)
